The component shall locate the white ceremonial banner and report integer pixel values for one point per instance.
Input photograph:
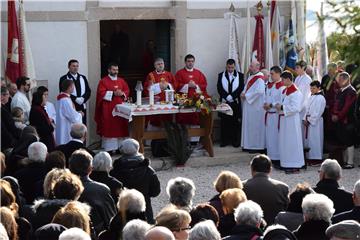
(234, 43)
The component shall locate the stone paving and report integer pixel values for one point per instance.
(205, 175)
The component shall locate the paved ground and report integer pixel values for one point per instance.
(205, 175)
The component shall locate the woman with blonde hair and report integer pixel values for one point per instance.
(7, 219)
(176, 220)
(50, 180)
(230, 199)
(65, 187)
(225, 180)
(74, 214)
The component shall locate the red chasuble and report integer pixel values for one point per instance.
(183, 77)
(108, 125)
(153, 78)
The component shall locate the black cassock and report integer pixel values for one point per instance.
(229, 90)
(82, 90)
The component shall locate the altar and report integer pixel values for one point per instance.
(136, 116)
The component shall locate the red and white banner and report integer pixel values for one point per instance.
(258, 47)
(12, 70)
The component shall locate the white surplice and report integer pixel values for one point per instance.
(314, 133)
(272, 96)
(66, 115)
(290, 134)
(253, 128)
(20, 100)
(303, 84)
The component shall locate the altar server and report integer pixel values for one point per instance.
(253, 129)
(230, 84)
(313, 122)
(66, 114)
(273, 93)
(112, 90)
(290, 135)
(302, 82)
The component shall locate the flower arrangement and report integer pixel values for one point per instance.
(202, 102)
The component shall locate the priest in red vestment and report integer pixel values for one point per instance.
(111, 90)
(158, 81)
(190, 81)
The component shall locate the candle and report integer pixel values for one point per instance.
(151, 97)
(138, 98)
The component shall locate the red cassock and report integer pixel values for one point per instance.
(182, 78)
(153, 78)
(108, 125)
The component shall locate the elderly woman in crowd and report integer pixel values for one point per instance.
(131, 205)
(204, 212)
(33, 172)
(60, 187)
(225, 180)
(292, 218)
(135, 229)
(74, 233)
(230, 199)
(102, 164)
(318, 210)
(40, 119)
(248, 217)
(74, 214)
(176, 220)
(181, 192)
(134, 171)
(205, 230)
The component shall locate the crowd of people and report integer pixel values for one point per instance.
(94, 198)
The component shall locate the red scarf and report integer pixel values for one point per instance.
(62, 95)
(290, 90)
(252, 81)
(277, 85)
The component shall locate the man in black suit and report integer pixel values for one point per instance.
(353, 214)
(270, 194)
(229, 85)
(330, 174)
(78, 134)
(82, 92)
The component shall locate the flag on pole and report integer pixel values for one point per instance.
(300, 23)
(291, 55)
(234, 49)
(321, 47)
(269, 51)
(12, 71)
(27, 67)
(275, 33)
(258, 46)
(246, 53)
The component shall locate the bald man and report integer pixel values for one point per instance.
(159, 233)
(253, 128)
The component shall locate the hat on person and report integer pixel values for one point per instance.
(130, 147)
(348, 229)
(49, 231)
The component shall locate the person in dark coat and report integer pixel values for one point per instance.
(33, 172)
(41, 121)
(102, 164)
(353, 214)
(9, 132)
(225, 180)
(292, 218)
(134, 171)
(68, 187)
(273, 197)
(248, 216)
(317, 210)
(229, 86)
(131, 205)
(78, 133)
(343, 117)
(96, 194)
(330, 174)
